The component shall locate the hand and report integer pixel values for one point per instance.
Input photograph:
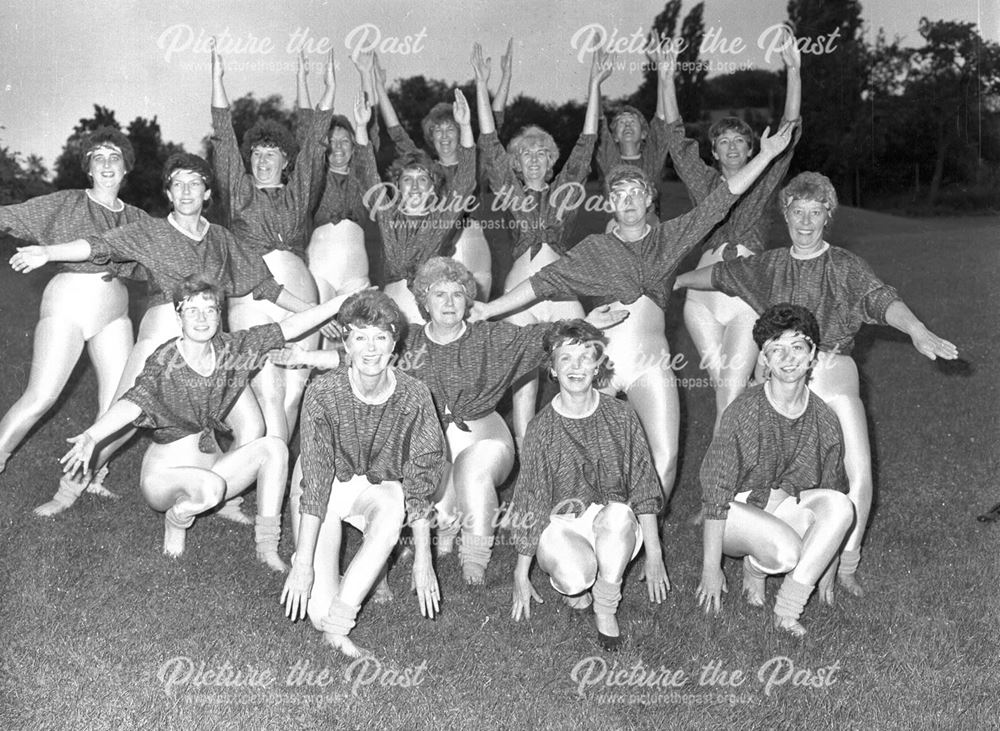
(601, 66)
(330, 72)
(604, 317)
(480, 67)
(663, 53)
(426, 585)
(790, 53)
(362, 110)
(930, 345)
(772, 145)
(298, 587)
(507, 60)
(478, 312)
(463, 117)
(524, 592)
(292, 355)
(364, 61)
(711, 589)
(218, 70)
(301, 68)
(332, 330)
(29, 258)
(79, 455)
(657, 581)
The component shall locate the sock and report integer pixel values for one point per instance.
(340, 619)
(849, 560)
(476, 550)
(446, 533)
(792, 598)
(177, 521)
(607, 596)
(267, 532)
(70, 488)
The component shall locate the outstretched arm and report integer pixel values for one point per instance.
(771, 146)
(523, 294)
(695, 279)
(29, 258)
(121, 414)
(927, 343)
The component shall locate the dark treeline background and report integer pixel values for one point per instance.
(910, 129)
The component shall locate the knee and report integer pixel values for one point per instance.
(274, 450)
(615, 519)
(786, 555)
(573, 577)
(384, 518)
(840, 511)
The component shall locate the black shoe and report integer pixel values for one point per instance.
(609, 643)
(990, 516)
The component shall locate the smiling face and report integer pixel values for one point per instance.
(575, 365)
(416, 187)
(732, 150)
(806, 221)
(199, 317)
(187, 192)
(534, 163)
(788, 357)
(106, 168)
(266, 164)
(628, 129)
(444, 137)
(629, 201)
(369, 349)
(341, 148)
(446, 303)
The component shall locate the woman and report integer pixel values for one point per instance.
(630, 267)
(170, 250)
(773, 479)
(415, 213)
(720, 325)
(81, 305)
(372, 455)
(338, 259)
(184, 392)
(467, 368)
(439, 129)
(268, 211)
(843, 293)
(586, 498)
(544, 212)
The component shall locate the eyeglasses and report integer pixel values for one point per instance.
(196, 313)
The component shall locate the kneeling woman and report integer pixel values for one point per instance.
(586, 466)
(186, 389)
(777, 441)
(372, 453)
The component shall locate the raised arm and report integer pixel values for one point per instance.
(219, 97)
(463, 118)
(386, 108)
(302, 100)
(330, 85)
(506, 72)
(481, 72)
(666, 56)
(793, 66)
(600, 69)
(771, 145)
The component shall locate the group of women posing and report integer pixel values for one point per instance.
(419, 440)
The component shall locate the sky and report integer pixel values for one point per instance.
(58, 58)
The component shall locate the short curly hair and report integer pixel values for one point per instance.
(106, 137)
(195, 284)
(573, 332)
(732, 124)
(339, 120)
(781, 318)
(441, 113)
(623, 172)
(414, 160)
(269, 133)
(441, 269)
(809, 187)
(629, 109)
(371, 308)
(525, 138)
(187, 161)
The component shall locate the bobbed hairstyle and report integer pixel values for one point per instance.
(732, 124)
(187, 161)
(782, 317)
(530, 136)
(809, 187)
(371, 308)
(441, 269)
(339, 120)
(106, 137)
(194, 285)
(573, 332)
(414, 160)
(269, 133)
(440, 113)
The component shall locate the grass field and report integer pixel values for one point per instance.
(99, 630)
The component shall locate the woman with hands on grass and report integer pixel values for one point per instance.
(587, 497)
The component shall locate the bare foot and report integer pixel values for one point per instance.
(787, 624)
(345, 646)
(383, 594)
(272, 559)
(754, 586)
(52, 507)
(230, 510)
(851, 584)
(173, 539)
(474, 574)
